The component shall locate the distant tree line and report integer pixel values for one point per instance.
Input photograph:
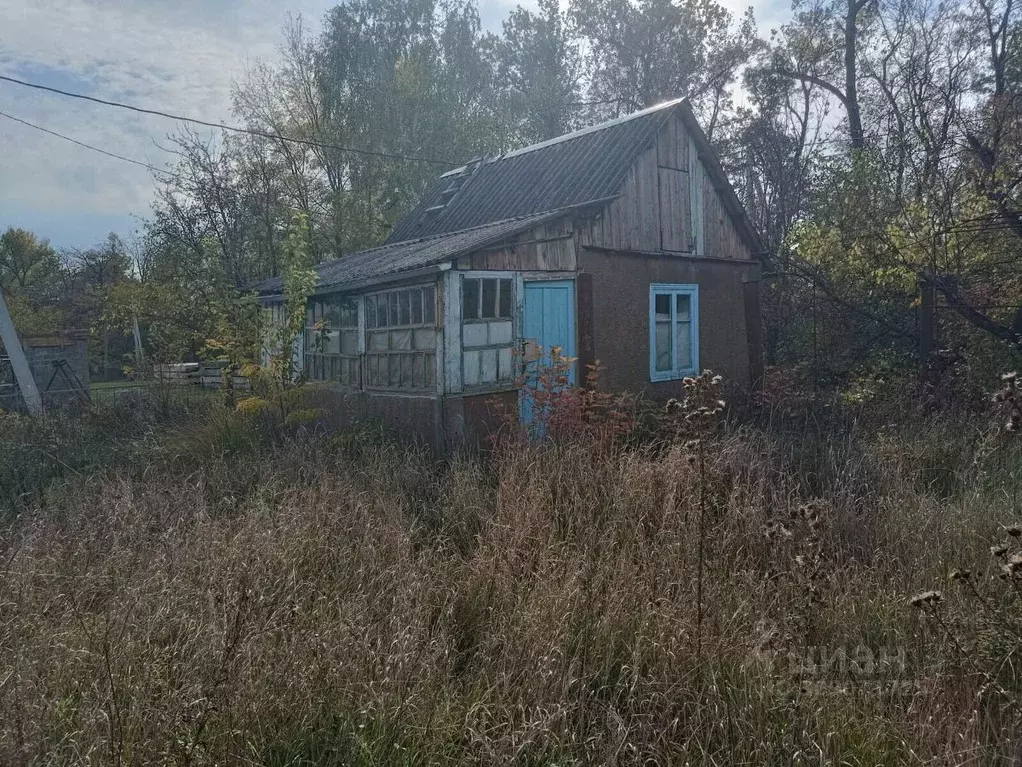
(877, 145)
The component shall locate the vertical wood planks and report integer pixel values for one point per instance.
(451, 380)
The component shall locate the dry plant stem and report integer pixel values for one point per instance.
(1001, 620)
(1011, 699)
(700, 559)
(335, 598)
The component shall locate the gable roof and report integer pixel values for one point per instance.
(394, 259)
(489, 200)
(588, 164)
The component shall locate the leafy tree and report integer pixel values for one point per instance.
(30, 278)
(539, 63)
(641, 53)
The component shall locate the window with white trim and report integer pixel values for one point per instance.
(331, 340)
(487, 330)
(673, 331)
(401, 339)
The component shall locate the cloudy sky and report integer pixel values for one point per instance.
(178, 56)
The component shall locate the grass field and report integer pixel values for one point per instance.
(215, 590)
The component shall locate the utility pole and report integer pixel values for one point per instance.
(139, 357)
(22, 372)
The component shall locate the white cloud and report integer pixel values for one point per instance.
(180, 56)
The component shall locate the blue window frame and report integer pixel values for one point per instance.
(673, 331)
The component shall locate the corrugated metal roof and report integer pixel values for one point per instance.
(486, 201)
(399, 257)
(586, 165)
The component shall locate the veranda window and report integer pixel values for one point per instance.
(331, 340)
(487, 333)
(673, 331)
(401, 339)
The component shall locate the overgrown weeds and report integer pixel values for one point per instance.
(732, 596)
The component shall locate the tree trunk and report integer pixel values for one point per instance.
(851, 64)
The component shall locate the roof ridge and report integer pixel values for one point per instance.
(591, 129)
(568, 136)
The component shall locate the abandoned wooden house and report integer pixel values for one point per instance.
(622, 243)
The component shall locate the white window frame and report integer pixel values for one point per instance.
(515, 318)
(371, 327)
(674, 290)
(310, 354)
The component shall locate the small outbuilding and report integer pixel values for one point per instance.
(623, 243)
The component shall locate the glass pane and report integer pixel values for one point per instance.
(349, 314)
(417, 307)
(489, 309)
(331, 343)
(418, 372)
(425, 338)
(392, 316)
(349, 342)
(331, 315)
(505, 364)
(684, 308)
(663, 307)
(429, 305)
(504, 310)
(371, 311)
(430, 365)
(381, 311)
(685, 345)
(407, 371)
(470, 299)
(470, 367)
(400, 340)
(663, 342)
(500, 333)
(488, 366)
(474, 334)
(378, 340)
(404, 317)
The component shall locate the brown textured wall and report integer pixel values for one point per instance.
(620, 289)
(485, 415)
(414, 419)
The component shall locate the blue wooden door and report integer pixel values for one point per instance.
(548, 322)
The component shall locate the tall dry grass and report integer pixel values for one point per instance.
(336, 599)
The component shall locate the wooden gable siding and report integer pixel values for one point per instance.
(719, 230)
(654, 209)
(632, 221)
(549, 247)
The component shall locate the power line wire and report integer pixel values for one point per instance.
(146, 165)
(82, 144)
(222, 126)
